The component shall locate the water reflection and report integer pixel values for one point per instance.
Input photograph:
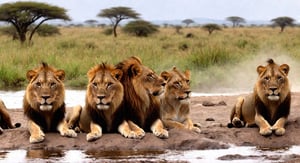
(233, 154)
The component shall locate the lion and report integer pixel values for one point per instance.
(5, 120)
(43, 103)
(103, 110)
(142, 88)
(175, 102)
(268, 106)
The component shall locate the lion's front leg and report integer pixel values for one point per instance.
(278, 127)
(264, 127)
(96, 132)
(130, 130)
(190, 125)
(64, 130)
(158, 129)
(36, 133)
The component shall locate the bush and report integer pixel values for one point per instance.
(140, 28)
(47, 30)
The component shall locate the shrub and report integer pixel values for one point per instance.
(140, 28)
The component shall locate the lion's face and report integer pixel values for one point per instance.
(104, 90)
(178, 85)
(273, 83)
(147, 79)
(45, 91)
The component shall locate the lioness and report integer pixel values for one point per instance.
(175, 102)
(102, 112)
(5, 120)
(269, 105)
(43, 103)
(142, 88)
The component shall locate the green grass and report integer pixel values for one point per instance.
(76, 50)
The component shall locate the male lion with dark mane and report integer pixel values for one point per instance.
(5, 120)
(175, 102)
(268, 106)
(102, 112)
(44, 103)
(142, 88)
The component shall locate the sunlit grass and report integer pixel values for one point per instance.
(78, 49)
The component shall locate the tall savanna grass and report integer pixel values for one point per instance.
(77, 49)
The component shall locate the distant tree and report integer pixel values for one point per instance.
(117, 14)
(282, 22)
(24, 14)
(10, 31)
(91, 22)
(187, 22)
(235, 20)
(211, 27)
(140, 28)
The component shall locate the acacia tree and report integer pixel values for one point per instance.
(211, 27)
(140, 28)
(117, 14)
(187, 22)
(282, 22)
(24, 14)
(235, 20)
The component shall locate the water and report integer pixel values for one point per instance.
(233, 154)
(14, 99)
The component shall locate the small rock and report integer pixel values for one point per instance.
(208, 103)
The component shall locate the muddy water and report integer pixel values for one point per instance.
(233, 154)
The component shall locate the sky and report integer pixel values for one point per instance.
(153, 10)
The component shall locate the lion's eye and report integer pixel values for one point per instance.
(94, 84)
(53, 85)
(150, 76)
(38, 84)
(188, 81)
(279, 78)
(177, 84)
(267, 78)
(109, 85)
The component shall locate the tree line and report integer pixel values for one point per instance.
(28, 16)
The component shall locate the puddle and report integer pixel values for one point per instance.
(233, 154)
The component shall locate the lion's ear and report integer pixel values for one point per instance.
(134, 70)
(260, 69)
(30, 74)
(285, 68)
(165, 75)
(60, 74)
(187, 74)
(117, 74)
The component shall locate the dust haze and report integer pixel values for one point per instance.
(241, 77)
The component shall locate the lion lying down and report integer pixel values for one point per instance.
(268, 106)
(43, 103)
(175, 102)
(5, 120)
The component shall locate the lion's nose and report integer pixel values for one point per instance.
(101, 97)
(273, 89)
(45, 97)
(187, 92)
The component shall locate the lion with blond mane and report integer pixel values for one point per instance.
(175, 102)
(43, 103)
(142, 88)
(103, 110)
(268, 106)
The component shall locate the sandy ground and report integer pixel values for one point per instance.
(213, 119)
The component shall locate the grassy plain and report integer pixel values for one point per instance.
(208, 56)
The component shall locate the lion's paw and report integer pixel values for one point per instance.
(161, 133)
(237, 122)
(36, 138)
(265, 131)
(93, 136)
(196, 129)
(138, 134)
(280, 131)
(69, 133)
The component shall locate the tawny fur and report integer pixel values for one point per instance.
(268, 106)
(175, 102)
(141, 98)
(5, 120)
(43, 103)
